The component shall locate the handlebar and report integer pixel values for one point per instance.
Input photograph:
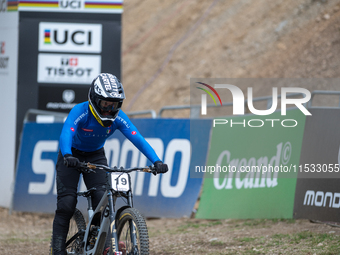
(89, 168)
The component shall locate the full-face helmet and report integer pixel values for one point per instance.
(106, 97)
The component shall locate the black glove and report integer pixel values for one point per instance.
(71, 161)
(161, 168)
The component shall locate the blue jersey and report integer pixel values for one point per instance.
(82, 131)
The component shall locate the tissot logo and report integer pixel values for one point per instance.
(69, 61)
(70, 37)
(54, 68)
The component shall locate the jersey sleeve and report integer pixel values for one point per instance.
(131, 132)
(75, 117)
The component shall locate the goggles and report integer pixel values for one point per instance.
(107, 105)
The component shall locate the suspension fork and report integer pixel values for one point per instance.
(133, 231)
(113, 232)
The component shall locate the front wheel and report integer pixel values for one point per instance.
(132, 233)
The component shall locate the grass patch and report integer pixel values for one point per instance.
(217, 243)
(253, 223)
(198, 225)
(246, 239)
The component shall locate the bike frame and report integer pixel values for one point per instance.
(105, 213)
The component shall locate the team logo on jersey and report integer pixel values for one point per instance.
(72, 129)
(133, 132)
(108, 131)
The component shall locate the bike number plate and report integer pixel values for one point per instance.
(122, 184)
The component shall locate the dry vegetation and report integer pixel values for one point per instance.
(29, 233)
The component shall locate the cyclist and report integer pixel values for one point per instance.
(84, 133)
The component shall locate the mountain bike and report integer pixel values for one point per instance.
(119, 232)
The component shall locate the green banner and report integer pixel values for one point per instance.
(252, 166)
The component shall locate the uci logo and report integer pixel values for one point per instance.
(70, 37)
(66, 4)
(78, 37)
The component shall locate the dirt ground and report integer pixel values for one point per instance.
(29, 233)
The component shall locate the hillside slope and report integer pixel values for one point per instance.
(165, 43)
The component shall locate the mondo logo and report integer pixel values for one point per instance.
(70, 37)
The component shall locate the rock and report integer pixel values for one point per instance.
(281, 46)
(326, 16)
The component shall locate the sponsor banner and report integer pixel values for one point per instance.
(81, 6)
(317, 199)
(252, 170)
(70, 37)
(77, 69)
(317, 194)
(170, 195)
(95, 38)
(61, 99)
(8, 103)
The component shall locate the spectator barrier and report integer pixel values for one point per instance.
(286, 193)
(317, 194)
(259, 192)
(170, 195)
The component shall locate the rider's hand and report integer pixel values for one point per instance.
(161, 168)
(70, 161)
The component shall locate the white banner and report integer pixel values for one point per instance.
(68, 68)
(70, 37)
(8, 79)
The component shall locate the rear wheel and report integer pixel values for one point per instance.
(132, 233)
(75, 234)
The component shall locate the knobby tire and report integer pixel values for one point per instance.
(127, 217)
(74, 238)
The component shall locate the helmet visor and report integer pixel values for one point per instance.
(108, 105)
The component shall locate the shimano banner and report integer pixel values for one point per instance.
(170, 195)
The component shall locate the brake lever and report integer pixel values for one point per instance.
(86, 168)
(153, 170)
